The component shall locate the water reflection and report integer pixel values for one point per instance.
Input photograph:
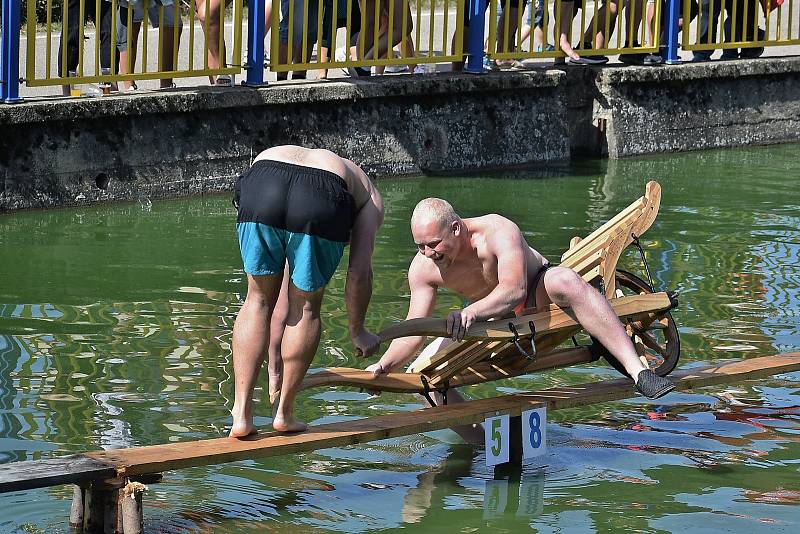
(115, 331)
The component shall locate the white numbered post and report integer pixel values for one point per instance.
(534, 432)
(495, 431)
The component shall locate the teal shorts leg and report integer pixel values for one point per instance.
(312, 260)
(263, 248)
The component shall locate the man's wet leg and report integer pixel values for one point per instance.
(300, 342)
(250, 341)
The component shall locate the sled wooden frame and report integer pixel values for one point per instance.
(503, 348)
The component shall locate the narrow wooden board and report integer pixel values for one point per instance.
(73, 469)
(160, 458)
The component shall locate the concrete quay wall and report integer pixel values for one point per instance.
(76, 151)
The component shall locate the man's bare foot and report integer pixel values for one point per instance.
(242, 429)
(288, 425)
(242, 423)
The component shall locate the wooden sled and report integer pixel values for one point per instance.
(523, 344)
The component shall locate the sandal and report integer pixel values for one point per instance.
(224, 80)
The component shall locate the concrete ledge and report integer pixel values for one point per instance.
(646, 110)
(178, 143)
(67, 152)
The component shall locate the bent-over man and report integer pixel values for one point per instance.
(487, 261)
(297, 210)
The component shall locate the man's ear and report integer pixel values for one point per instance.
(456, 228)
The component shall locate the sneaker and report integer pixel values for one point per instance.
(490, 64)
(751, 53)
(632, 59)
(652, 60)
(653, 386)
(394, 69)
(729, 54)
(358, 72)
(522, 65)
(223, 81)
(701, 57)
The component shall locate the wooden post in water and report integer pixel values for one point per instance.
(131, 508)
(515, 440)
(76, 510)
(101, 507)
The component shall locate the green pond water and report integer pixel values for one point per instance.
(115, 331)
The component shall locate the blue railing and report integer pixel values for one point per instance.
(9, 76)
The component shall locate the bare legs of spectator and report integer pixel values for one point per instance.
(73, 33)
(565, 30)
(127, 58)
(210, 10)
(386, 40)
(297, 57)
(506, 41)
(607, 10)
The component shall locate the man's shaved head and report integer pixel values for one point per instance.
(433, 210)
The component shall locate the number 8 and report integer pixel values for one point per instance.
(536, 431)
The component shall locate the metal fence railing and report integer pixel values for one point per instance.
(366, 34)
(740, 24)
(204, 37)
(591, 28)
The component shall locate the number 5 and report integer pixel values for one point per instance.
(497, 437)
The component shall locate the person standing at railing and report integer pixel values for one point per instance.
(503, 45)
(367, 48)
(330, 27)
(127, 54)
(297, 210)
(208, 13)
(72, 33)
(300, 25)
(709, 20)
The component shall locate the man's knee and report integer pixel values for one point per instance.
(564, 285)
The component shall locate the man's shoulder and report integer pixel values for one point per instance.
(423, 271)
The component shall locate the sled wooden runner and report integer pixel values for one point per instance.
(514, 346)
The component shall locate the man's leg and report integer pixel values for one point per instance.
(469, 433)
(276, 326)
(250, 341)
(300, 342)
(565, 288)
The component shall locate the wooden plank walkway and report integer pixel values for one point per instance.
(158, 458)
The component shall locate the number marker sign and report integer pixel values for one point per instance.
(496, 430)
(534, 432)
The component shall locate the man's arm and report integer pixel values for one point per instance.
(358, 287)
(508, 246)
(423, 299)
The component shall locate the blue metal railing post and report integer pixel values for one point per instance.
(674, 14)
(256, 30)
(477, 20)
(9, 73)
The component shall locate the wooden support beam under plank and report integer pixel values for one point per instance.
(159, 458)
